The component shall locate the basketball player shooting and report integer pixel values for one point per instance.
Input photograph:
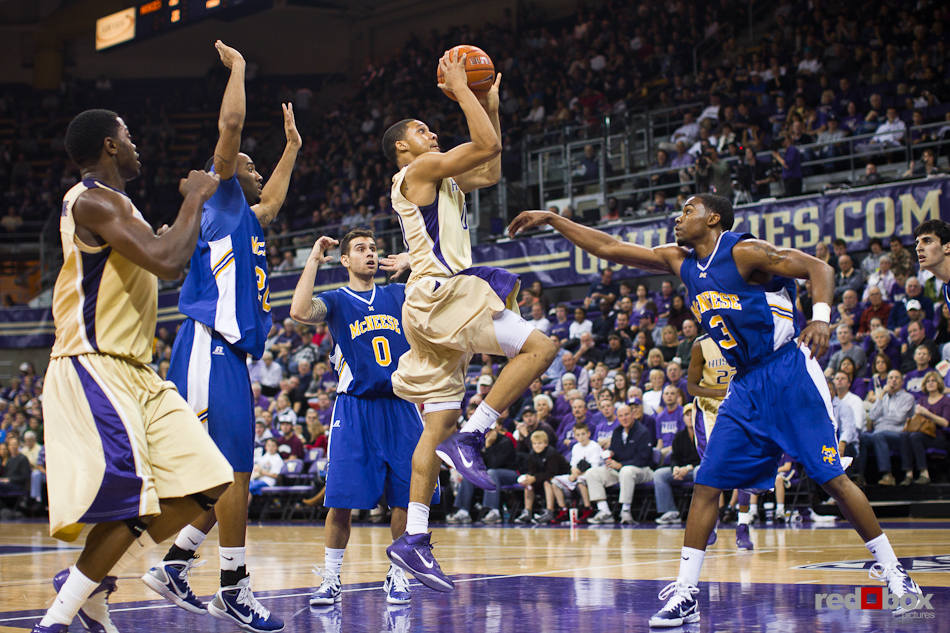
(743, 290)
(452, 310)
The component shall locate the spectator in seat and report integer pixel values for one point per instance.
(848, 311)
(901, 259)
(585, 454)
(669, 422)
(669, 343)
(288, 444)
(603, 289)
(267, 468)
(501, 460)
(872, 260)
(537, 468)
(683, 463)
(616, 353)
(923, 365)
(882, 278)
(886, 421)
(849, 414)
(569, 361)
(268, 373)
(848, 277)
(631, 454)
(791, 161)
(848, 350)
(536, 418)
(935, 406)
(15, 474)
(916, 337)
(580, 325)
(538, 321)
(561, 325)
(927, 166)
(890, 133)
(877, 308)
(690, 333)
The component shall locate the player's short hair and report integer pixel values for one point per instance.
(87, 131)
(352, 235)
(396, 132)
(937, 227)
(720, 205)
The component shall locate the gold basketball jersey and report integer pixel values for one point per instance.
(102, 302)
(717, 373)
(436, 234)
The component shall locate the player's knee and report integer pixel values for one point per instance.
(137, 525)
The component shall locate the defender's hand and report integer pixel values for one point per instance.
(200, 183)
(528, 220)
(396, 264)
(290, 126)
(490, 100)
(229, 56)
(320, 247)
(816, 336)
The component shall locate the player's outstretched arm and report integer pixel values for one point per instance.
(758, 256)
(660, 259)
(231, 117)
(275, 191)
(486, 174)
(109, 215)
(694, 376)
(485, 143)
(304, 307)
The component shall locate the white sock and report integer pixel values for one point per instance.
(779, 509)
(482, 420)
(602, 506)
(417, 518)
(69, 600)
(745, 518)
(754, 509)
(132, 556)
(190, 538)
(882, 551)
(625, 507)
(232, 558)
(691, 562)
(333, 560)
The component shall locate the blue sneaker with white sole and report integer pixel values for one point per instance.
(413, 552)
(680, 608)
(238, 605)
(396, 586)
(169, 579)
(94, 614)
(899, 584)
(329, 592)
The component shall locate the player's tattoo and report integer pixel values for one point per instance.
(318, 311)
(772, 254)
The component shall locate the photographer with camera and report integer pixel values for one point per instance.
(712, 174)
(752, 177)
(791, 162)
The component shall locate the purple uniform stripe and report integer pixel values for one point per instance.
(92, 266)
(430, 215)
(699, 429)
(502, 282)
(121, 488)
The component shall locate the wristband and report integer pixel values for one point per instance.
(821, 312)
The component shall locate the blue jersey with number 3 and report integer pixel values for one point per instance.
(747, 321)
(368, 338)
(226, 287)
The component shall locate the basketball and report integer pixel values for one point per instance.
(478, 67)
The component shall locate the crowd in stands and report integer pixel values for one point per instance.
(613, 410)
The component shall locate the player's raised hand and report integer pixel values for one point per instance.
(816, 336)
(290, 125)
(452, 66)
(490, 100)
(528, 220)
(396, 264)
(229, 56)
(320, 248)
(200, 183)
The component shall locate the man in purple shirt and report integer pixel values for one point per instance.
(669, 422)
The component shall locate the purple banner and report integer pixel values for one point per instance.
(855, 216)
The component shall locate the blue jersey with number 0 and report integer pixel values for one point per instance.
(367, 334)
(748, 321)
(226, 287)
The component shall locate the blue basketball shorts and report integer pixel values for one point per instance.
(781, 405)
(370, 451)
(212, 376)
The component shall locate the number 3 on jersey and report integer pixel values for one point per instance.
(381, 351)
(263, 289)
(727, 341)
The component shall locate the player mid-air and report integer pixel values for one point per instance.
(452, 310)
(742, 288)
(124, 450)
(373, 433)
(225, 298)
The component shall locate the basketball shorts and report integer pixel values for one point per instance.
(449, 319)
(781, 405)
(118, 439)
(704, 419)
(212, 376)
(370, 451)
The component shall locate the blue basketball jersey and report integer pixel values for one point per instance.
(748, 321)
(226, 287)
(368, 338)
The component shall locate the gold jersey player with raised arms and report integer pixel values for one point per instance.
(452, 310)
(124, 449)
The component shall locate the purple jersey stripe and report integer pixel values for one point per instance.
(121, 488)
(430, 215)
(502, 282)
(92, 266)
(699, 430)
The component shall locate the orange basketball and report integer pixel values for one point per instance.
(478, 68)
